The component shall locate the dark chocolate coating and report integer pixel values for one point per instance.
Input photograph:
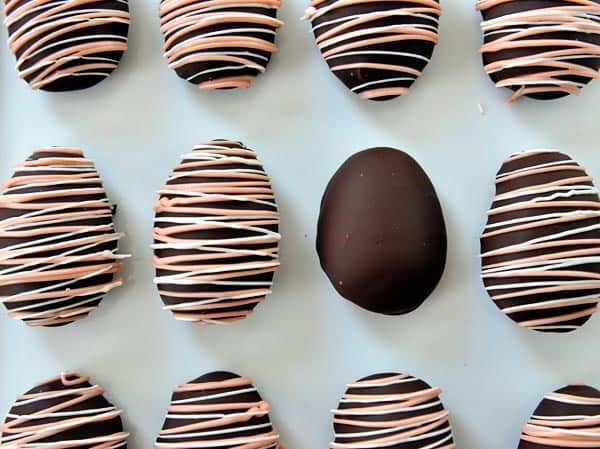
(381, 236)
(517, 6)
(391, 55)
(63, 39)
(214, 69)
(581, 406)
(76, 305)
(241, 229)
(415, 417)
(244, 415)
(100, 419)
(551, 220)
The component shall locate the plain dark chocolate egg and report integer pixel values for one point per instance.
(381, 236)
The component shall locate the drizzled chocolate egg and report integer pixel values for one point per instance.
(66, 411)
(566, 418)
(376, 48)
(66, 45)
(218, 410)
(216, 237)
(543, 49)
(219, 44)
(381, 236)
(540, 249)
(58, 245)
(391, 410)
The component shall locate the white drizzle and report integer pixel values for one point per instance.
(235, 417)
(551, 59)
(336, 48)
(560, 269)
(577, 426)
(57, 225)
(362, 407)
(44, 56)
(23, 430)
(215, 259)
(237, 48)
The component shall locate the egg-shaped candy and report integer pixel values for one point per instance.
(65, 411)
(219, 44)
(381, 236)
(542, 49)
(391, 410)
(66, 45)
(58, 245)
(218, 410)
(540, 248)
(216, 239)
(376, 48)
(564, 419)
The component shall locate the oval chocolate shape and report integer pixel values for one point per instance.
(217, 44)
(216, 238)
(540, 249)
(66, 411)
(58, 246)
(381, 236)
(566, 418)
(63, 46)
(542, 49)
(391, 410)
(377, 49)
(218, 410)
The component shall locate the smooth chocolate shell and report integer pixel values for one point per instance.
(391, 410)
(540, 249)
(564, 419)
(381, 236)
(64, 46)
(512, 54)
(218, 410)
(58, 245)
(76, 415)
(376, 48)
(216, 237)
(217, 44)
